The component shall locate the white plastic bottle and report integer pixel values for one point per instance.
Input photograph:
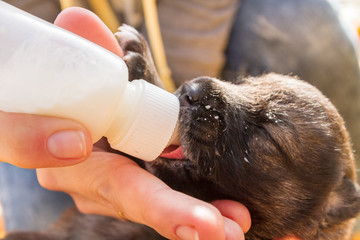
(46, 70)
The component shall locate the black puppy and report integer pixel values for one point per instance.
(273, 143)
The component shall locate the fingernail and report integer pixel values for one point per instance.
(187, 233)
(67, 144)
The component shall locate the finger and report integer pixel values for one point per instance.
(118, 182)
(86, 24)
(87, 206)
(234, 211)
(233, 230)
(31, 141)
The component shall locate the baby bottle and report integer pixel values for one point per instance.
(47, 70)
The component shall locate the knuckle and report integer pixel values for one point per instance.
(155, 214)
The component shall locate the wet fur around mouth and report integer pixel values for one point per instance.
(274, 143)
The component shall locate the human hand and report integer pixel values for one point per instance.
(31, 141)
(113, 185)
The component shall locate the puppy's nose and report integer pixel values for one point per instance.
(190, 94)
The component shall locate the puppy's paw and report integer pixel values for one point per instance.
(137, 55)
(131, 40)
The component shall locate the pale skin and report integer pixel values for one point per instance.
(105, 183)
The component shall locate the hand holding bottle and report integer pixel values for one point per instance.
(106, 183)
(31, 141)
(52, 72)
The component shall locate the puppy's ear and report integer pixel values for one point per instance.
(344, 202)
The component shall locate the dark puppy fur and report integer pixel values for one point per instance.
(273, 143)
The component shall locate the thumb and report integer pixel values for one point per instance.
(31, 141)
(88, 25)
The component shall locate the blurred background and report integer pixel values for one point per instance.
(350, 15)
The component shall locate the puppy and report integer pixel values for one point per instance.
(273, 143)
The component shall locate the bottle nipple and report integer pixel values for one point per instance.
(153, 123)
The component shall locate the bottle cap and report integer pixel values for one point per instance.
(154, 125)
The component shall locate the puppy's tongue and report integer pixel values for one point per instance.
(173, 152)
